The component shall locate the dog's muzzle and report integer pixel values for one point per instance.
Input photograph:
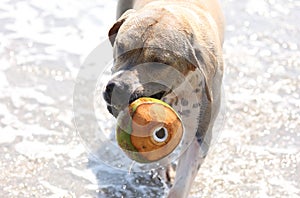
(118, 94)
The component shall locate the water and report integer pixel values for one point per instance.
(43, 45)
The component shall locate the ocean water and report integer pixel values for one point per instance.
(48, 151)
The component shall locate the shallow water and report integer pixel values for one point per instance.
(43, 45)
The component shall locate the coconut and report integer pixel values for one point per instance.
(148, 130)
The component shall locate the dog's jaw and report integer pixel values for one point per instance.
(115, 110)
(123, 89)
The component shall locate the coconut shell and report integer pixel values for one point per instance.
(149, 130)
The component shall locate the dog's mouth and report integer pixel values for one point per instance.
(158, 96)
(116, 109)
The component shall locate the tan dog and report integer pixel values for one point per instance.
(171, 50)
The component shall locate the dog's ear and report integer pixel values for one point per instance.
(112, 34)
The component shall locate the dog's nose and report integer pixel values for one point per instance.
(114, 95)
(109, 89)
(117, 95)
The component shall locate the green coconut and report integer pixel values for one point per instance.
(148, 130)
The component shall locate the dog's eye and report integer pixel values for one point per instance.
(160, 134)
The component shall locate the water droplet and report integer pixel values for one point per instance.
(293, 46)
(253, 37)
(265, 52)
(284, 45)
(30, 44)
(246, 23)
(130, 168)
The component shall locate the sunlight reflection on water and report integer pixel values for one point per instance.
(43, 45)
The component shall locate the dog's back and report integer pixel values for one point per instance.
(211, 6)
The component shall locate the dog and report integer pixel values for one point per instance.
(172, 51)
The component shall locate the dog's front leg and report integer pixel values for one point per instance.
(186, 171)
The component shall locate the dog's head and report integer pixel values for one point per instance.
(153, 55)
